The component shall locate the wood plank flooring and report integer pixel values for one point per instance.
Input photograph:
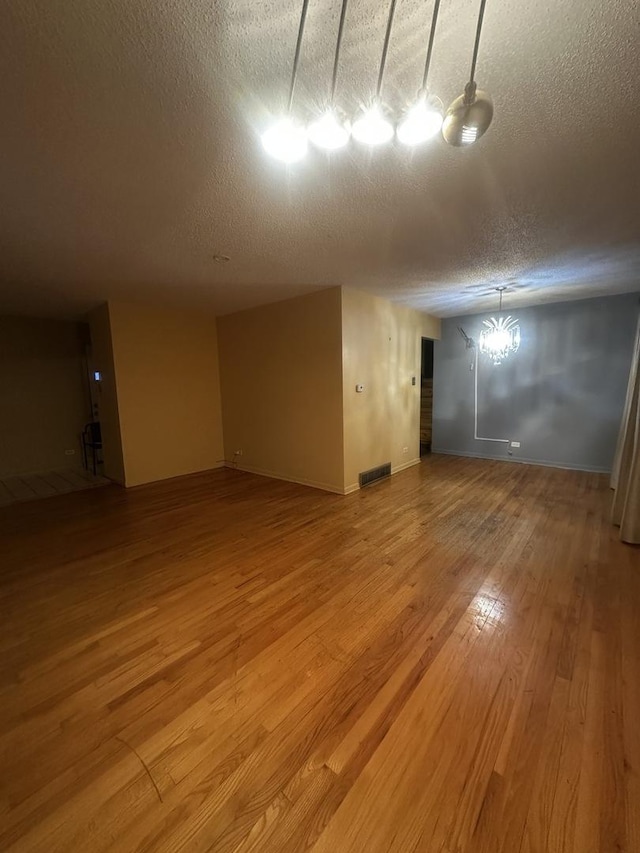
(29, 487)
(447, 661)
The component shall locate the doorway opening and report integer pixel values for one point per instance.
(426, 396)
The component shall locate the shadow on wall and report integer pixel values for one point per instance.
(561, 395)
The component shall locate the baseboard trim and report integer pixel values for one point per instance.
(405, 465)
(325, 487)
(314, 484)
(522, 461)
(215, 467)
(354, 487)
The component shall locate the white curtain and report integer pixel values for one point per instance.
(625, 478)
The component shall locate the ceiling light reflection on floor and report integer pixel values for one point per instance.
(488, 611)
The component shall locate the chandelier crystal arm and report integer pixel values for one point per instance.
(476, 45)
(334, 78)
(501, 335)
(296, 58)
(385, 48)
(432, 35)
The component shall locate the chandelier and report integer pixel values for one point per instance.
(466, 120)
(501, 336)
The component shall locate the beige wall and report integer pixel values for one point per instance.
(106, 394)
(168, 391)
(281, 376)
(287, 372)
(381, 348)
(43, 395)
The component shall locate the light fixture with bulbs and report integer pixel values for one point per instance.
(501, 335)
(469, 116)
(332, 130)
(286, 139)
(373, 127)
(466, 120)
(423, 119)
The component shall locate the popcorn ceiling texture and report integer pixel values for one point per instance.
(130, 155)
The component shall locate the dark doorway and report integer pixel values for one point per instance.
(426, 396)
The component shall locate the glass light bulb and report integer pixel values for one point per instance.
(421, 122)
(468, 118)
(372, 127)
(329, 131)
(469, 134)
(286, 140)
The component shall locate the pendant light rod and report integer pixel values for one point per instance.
(483, 3)
(501, 290)
(296, 58)
(385, 48)
(432, 35)
(334, 78)
(469, 116)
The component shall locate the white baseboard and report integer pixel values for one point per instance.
(545, 464)
(314, 484)
(273, 475)
(394, 470)
(215, 467)
(405, 465)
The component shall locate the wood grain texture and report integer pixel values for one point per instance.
(32, 486)
(447, 661)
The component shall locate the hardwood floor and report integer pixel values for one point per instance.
(28, 487)
(447, 661)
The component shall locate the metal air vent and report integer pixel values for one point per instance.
(366, 477)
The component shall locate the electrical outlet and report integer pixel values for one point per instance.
(515, 444)
(237, 452)
(69, 453)
(405, 449)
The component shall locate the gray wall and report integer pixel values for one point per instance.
(561, 395)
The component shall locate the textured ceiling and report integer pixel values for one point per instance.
(130, 155)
